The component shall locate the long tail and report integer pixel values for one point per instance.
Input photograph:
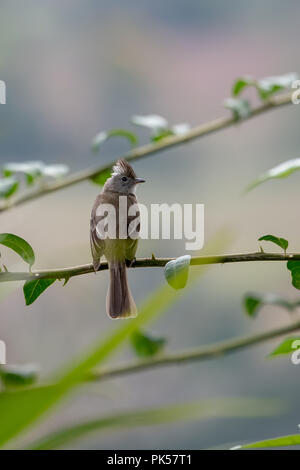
(119, 301)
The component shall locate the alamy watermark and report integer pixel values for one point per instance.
(2, 353)
(162, 221)
(295, 357)
(296, 94)
(2, 92)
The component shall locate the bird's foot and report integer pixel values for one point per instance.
(130, 262)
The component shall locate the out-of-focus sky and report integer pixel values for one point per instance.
(73, 68)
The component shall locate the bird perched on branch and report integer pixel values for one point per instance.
(114, 233)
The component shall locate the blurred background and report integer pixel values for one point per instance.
(74, 68)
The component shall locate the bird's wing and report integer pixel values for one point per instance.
(97, 245)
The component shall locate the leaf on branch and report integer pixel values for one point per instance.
(181, 129)
(266, 87)
(102, 137)
(177, 129)
(19, 245)
(19, 375)
(154, 122)
(254, 302)
(55, 171)
(35, 169)
(101, 177)
(162, 135)
(31, 169)
(281, 242)
(8, 186)
(145, 345)
(294, 267)
(177, 271)
(288, 346)
(33, 289)
(242, 83)
(240, 108)
(280, 171)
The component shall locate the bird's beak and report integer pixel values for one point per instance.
(139, 180)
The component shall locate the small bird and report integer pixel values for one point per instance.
(118, 250)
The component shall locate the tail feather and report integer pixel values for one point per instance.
(119, 301)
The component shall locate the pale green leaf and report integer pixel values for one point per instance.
(8, 186)
(55, 171)
(240, 108)
(102, 137)
(254, 302)
(280, 171)
(176, 271)
(155, 123)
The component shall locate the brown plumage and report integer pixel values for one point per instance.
(123, 181)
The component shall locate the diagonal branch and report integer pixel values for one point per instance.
(147, 150)
(198, 354)
(66, 273)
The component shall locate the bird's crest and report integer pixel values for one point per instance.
(122, 167)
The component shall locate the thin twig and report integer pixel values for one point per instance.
(198, 354)
(146, 150)
(66, 273)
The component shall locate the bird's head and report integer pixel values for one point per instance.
(123, 179)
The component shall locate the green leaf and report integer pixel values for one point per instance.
(268, 86)
(201, 410)
(101, 177)
(177, 129)
(254, 302)
(33, 289)
(240, 108)
(8, 186)
(162, 135)
(32, 169)
(284, 441)
(242, 83)
(55, 171)
(19, 375)
(294, 267)
(19, 245)
(177, 271)
(181, 129)
(280, 171)
(157, 124)
(146, 345)
(282, 242)
(35, 169)
(102, 137)
(288, 346)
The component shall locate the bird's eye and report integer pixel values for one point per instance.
(124, 178)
